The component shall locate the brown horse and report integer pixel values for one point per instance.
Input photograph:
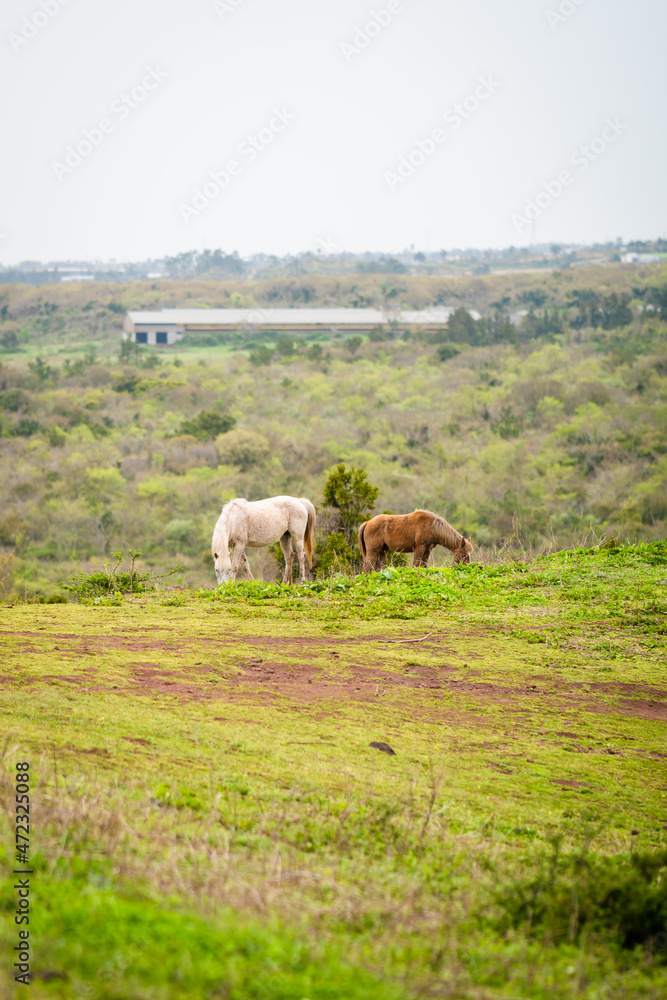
(418, 532)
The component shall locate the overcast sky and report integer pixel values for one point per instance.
(345, 125)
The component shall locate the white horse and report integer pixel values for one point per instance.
(263, 522)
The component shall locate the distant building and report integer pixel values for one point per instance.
(168, 326)
(641, 258)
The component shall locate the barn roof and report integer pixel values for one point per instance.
(287, 317)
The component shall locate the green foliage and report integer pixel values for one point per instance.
(462, 327)
(182, 532)
(352, 344)
(349, 492)
(244, 449)
(26, 427)
(126, 381)
(606, 311)
(13, 400)
(131, 353)
(286, 346)
(508, 424)
(261, 355)
(623, 899)
(110, 581)
(446, 352)
(41, 370)
(208, 424)
(544, 326)
(56, 437)
(335, 556)
(9, 336)
(80, 365)
(116, 943)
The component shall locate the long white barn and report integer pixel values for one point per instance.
(168, 326)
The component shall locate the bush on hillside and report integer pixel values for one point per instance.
(207, 425)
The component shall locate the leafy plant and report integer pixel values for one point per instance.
(40, 369)
(335, 556)
(208, 424)
(351, 495)
(446, 352)
(508, 424)
(262, 355)
(621, 898)
(111, 582)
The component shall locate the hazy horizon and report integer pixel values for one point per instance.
(340, 127)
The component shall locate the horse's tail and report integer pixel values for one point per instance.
(309, 536)
(362, 540)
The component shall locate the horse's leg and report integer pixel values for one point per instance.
(421, 555)
(246, 566)
(239, 554)
(301, 556)
(381, 559)
(370, 559)
(286, 546)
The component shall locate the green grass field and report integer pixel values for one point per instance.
(208, 818)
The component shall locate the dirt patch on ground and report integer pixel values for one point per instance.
(654, 711)
(291, 668)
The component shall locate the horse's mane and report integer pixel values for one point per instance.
(221, 527)
(444, 532)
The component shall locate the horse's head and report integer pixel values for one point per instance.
(220, 552)
(222, 563)
(463, 552)
(222, 574)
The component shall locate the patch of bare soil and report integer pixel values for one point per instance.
(285, 668)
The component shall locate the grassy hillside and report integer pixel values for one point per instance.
(209, 818)
(540, 437)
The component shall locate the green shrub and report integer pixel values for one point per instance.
(56, 437)
(262, 355)
(349, 492)
(26, 427)
(207, 425)
(616, 897)
(447, 351)
(336, 556)
(110, 582)
(13, 400)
